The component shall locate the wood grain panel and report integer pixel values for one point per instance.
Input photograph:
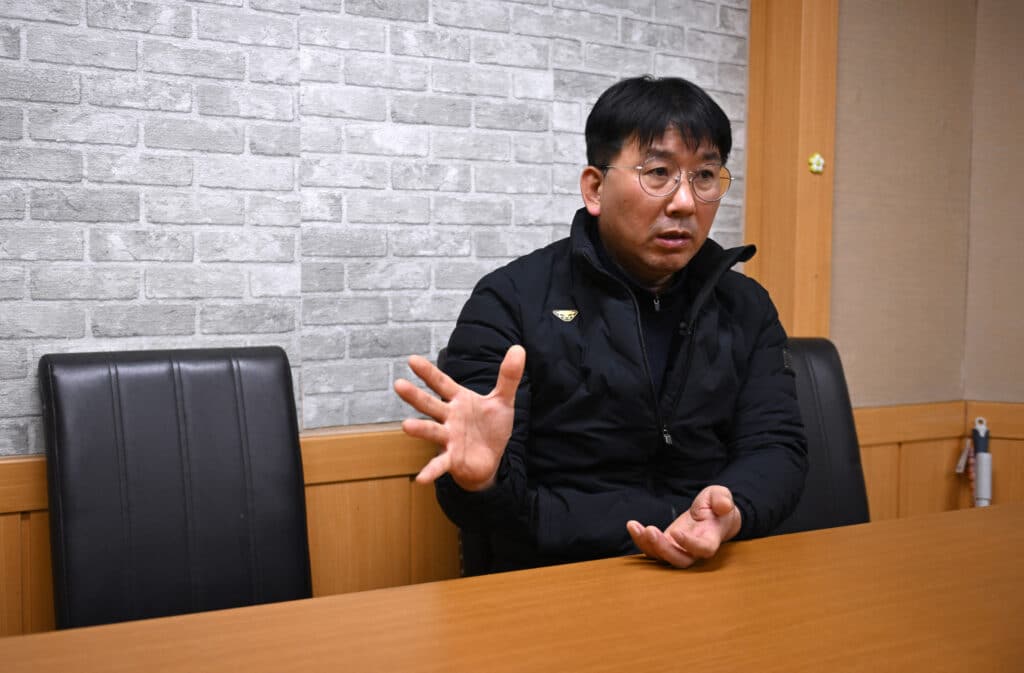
(371, 454)
(909, 422)
(1007, 470)
(22, 484)
(433, 539)
(10, 575)
(881, 463)
(37, 578)
(927, 481)
(359, 535)
(1004, 419)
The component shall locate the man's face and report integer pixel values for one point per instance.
(651, 237)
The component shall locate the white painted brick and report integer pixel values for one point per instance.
(128, 91)
(136, 320)
(460, 275)
(10, 123)
(438, 110)
(144, 169)
(274, 210)
(565, 179)
(421, 242)
(14, 435)
(30, 163)
(734, 105)
(465, 14)
(251, 102)
(608, 59)
(13, 361)
(332, 100)
(566, 54)
(38, 84)
(230, 3)
(509, 242)
(513, 116)
(335, 170)
(280, 6)
(322, 134)
(155, 18)
(388, 208)
(320, 411)
(529, 84)
(19, 395)
(687, 13)
(403, 10)
(274, 140)
(520, 52)
(389, 140)
(727, 48)
(132, 245)
(76, 125)
(85, 205)
(388, 274)
(659, 36)
(175, 281)
(531, 149)
(563, 22)
(729, 217)
(30, 320)
(344, 377)
(470, 79)
(333, 241)
(700, 72)
(733, 20)
(376, 407)
(257, 173)
(170, 58)
(273, 66)
(325, 31)
(192, 208)
(320, 65)
(446, 177)
(62, 47)
(323, 277)
(321, 205)
(321, 5)
(503, 179)
(472, 210)
(38, 243)
(245, 246)
(378, 342)
(443, 44)
(470, 145)
(254, 29)
(12, 282)
(571, 85)
(10, 41)
(252, 318)
(208, 135)
(569, 148)
(732, 78)
(272, 280)
(12, 203)
(378, 70)
(545, 210)
(422, 308)
(344, 310)
(76, 282)
(57, 11)
(641, 7)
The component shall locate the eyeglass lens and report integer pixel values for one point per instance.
(659, 177)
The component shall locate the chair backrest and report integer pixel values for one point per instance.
(175, 482)
(834, 494)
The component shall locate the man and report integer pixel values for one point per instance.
(642, 397)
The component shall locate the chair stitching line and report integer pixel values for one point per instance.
(113, 375)
(59, 494)
(181, 412)
(821, 423)
(243, 428)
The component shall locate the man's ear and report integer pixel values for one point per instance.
(591, 182)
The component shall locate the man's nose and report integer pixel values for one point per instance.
(682, 201)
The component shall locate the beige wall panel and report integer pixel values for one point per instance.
(358, 535)
(902, 178)
(881, 465)
(10, 574)
(995, 321)
(433, 541)
(37, 582)
(927, 481)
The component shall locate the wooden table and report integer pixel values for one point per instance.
(941, 592)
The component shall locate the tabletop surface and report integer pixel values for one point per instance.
(942, 592)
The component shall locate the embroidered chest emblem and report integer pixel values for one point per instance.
(566, 315)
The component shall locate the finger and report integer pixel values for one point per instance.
(510, 373)
(436, 380)
(656, 545)
(437, 466)
(697, 546)
(421, 401)
(721, 500)
(428, 430)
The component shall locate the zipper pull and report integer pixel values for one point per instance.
(666, 436)
(657, 303)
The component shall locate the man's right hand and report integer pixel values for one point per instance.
(471, 429)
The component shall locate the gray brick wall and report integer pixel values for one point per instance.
(332, 176)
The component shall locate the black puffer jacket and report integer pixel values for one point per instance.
(593, 444)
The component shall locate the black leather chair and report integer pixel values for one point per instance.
(175, 482)
(834, 494)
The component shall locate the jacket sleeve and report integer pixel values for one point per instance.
(561, 521)
(768, 449)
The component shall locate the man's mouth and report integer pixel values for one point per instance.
(674, 238)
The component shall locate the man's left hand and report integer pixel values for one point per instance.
(711, 520)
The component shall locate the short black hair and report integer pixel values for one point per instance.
(645, 108)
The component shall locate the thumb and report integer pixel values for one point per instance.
(721, 500)
(510, 373)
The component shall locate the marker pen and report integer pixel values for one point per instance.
(982, 464)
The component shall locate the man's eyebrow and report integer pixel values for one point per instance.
(659, 152)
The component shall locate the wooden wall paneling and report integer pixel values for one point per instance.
(359, 535)
(881, 464)
(343, 455)
(37, 579)
(927, 481)
(22, 484)
(909, 422)
(1007, 470)
(433, 539)
(10, 575)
